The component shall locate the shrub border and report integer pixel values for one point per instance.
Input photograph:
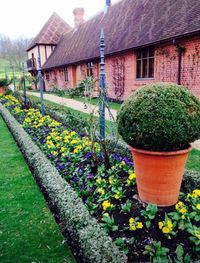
(95, 244)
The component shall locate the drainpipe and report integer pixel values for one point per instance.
(180, 51)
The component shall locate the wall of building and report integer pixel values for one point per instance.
(165, 69)
(45, 52)
(190, 73)
(57, 79)
(75, 75)
(166, 64)
(121, 70)
(33, 51)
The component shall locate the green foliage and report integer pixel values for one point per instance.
(149, 214)
(109, 223)
(84, 88)
(58, 92)
(96, 246)
(121, 242)
(191, 181)
(32, 79)
(5, 82)
(126, 208)
(193, 161)
(180, 257)
(157, 253)
(160, 117)
(195, 237)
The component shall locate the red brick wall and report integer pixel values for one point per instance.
(166, 64)
(75, 75)
(130, 82)
(57, 79)
(190, 74)
(121, 70)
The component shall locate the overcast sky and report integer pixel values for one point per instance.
(26, 17)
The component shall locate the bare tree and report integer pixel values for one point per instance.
(14, 50)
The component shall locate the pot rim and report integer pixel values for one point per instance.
(170, 153)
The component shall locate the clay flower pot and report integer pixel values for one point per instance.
(159, 175)
(2, 90)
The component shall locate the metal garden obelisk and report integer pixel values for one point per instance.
(24, 83)
(40, 77)
(103, 78)
(102, 87)
(13, 73)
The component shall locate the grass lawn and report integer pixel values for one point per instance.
(193, 162)
(28, 232)
(93, 101)
(4, 63)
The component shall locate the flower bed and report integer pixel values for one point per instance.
(79, 124)
(94, 245)
(110, 195)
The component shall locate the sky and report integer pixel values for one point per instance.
(26, 17)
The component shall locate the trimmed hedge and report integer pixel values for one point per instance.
(191, 181)
(96, 246)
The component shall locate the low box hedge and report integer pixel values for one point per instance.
(96, 246)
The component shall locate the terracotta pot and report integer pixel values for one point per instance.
(2, 90)
(159, 175)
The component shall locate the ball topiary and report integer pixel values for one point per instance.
(160, 117)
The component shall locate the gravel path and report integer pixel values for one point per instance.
(74, 104)
(196, 145)
(80, 106)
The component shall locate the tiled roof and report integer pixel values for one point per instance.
(51, 32)
(128, 24)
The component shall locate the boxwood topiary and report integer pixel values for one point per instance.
(160, 117)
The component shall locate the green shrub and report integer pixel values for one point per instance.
(160, 117)
(58, 92)
(191, 181)
(4, 82)
(84, 88)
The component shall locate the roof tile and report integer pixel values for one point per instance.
(128, 24)
(51, 32)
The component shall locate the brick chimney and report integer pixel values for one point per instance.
(78, 16)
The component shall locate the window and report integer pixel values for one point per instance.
(47, 76)
(66, 75)
(145, 63)
(90, 66)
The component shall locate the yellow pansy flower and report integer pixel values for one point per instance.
(107, 205)
(73, 142)
(139, 225)
(160, 225)
(197, 234)
(101, 191)
(198, 206)
(99, 180)
(165, 230)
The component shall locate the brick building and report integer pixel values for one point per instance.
(146, 41)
